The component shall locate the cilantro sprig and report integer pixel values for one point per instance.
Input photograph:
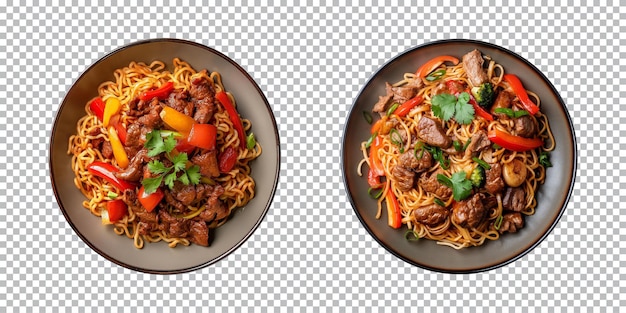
(461, 186)
(446, 106)
(157, 142)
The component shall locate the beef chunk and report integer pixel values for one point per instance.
(107, 150)
(207, 162)
(493, 182)
(179, 102)
(199, 233)
(404, 177)
(134, 171)
(408, 165)
(429, 183)
(503, 100)
(430, 215)
(431, 132)
(514, 199)
(203, 94)
(511, 222)
(473, 66)
(471, 212)
(381, 105)
(525, 126)
(174, 226)
(214, 209)
(152, 118)
(478, 142)
(402, 94)
(450, 86)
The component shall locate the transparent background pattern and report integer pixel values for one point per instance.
(311, 253)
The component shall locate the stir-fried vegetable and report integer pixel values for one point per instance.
(107, 172)
(512, 142)
(394, 213)
(223, 98)
(521, 93)
(162, 92)
(434, 63)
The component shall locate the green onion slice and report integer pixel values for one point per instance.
(457, 146)
(369, 141)
(439, 202)
(250, 141)
(510, 113)
(436, 75)
(367, 116)
(112, 195)
(498, 222)
(467, 144)
(376, 195)
(482, 163)
(411, 235)
(444, 180)
(392, 108)
(396, 139)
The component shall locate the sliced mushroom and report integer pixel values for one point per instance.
(514, 173)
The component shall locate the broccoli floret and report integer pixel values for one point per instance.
(478, 177)
(484, 95)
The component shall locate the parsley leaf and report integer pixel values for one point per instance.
(445, 106)
(464, 111)
(157, 167)
(461, 186)
(151, 184)
(180, 161)
(163, 141)
(194, 174)
(544, 159)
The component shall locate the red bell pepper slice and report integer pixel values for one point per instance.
(203, 136)
(434, 63)
(222, 97)
(117, 209)
(521, 93)
(149, 202)
(162, 92)
(227, 159)
(404, 108)
(376, 166)
(183, 146)
(106, 171)
(512, 142)
(394, 214)
(97, 107)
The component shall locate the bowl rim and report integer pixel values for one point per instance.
(529, 247)
(277, 160)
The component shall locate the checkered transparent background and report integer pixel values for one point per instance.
(311, 253)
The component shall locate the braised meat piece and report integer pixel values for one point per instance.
(429, 183)
(203, 94)
(107, 150)
(503, 100)
(152, 118)
(134, 171)
(214, 208)
(525, 126)
(511, 222)
(179, 101)
(514, 199)
(402, 94)
(199, 233)
(473, 66)
(470, 212)
(478, 142)
(431, 132)
(408, 165)
(207, 162)
(493, 182)
(430, 215)
(174, 226)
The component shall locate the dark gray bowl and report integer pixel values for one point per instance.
(158, 257)
(552, 197)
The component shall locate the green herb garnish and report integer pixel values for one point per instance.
(436, 75)
(445, 106)
(250, 141)
(544, 159)
(461, 186)
(510, 113)
(368, 117)
(168, 175)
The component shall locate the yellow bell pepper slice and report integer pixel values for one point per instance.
(111, 107)
(118, 149)
(176, 120)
